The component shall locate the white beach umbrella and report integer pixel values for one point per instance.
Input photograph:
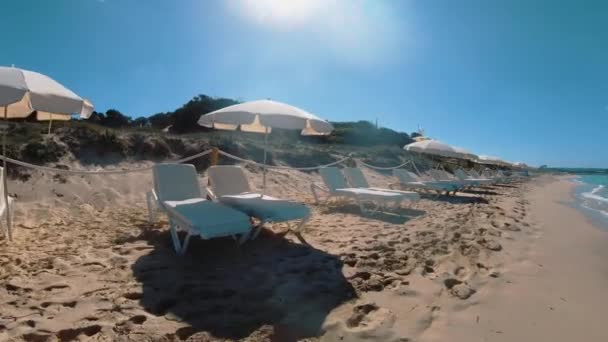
(520, 165)
(421, 138)
(261, 116)
(433, 147)
(24, 91)
(490, 160)
(465, 154)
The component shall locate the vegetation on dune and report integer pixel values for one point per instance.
(112, 137)
(184, 121)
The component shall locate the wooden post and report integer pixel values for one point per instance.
(215, 156)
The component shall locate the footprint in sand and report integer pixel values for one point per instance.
(490, 244)
(461, 272)
(72, 334)
(55, 287)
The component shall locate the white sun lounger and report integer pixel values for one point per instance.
(474, 174)
(178, 194)
(336, 186)
(357, 179)
(487, 173)
(5, 208)
(409, 180)
(229, 185)
(467, 179)
(445, 177)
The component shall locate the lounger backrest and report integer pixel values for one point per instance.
(461, 174)
(228, 180)
(436, 174)
(488, 173)
(403, 176)
(333, 178)
(446, 175)
(175, 182)
(355, 177)
(474, 173)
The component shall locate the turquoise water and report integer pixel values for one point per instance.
(593, 194)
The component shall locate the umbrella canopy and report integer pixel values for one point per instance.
(263, 115)
(421, 138)
(24, 91)
(465, 154)
(520, 165)
(490, 160)
(433, 147)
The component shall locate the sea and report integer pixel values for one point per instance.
(592, 195)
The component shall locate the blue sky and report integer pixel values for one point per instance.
(526, 80)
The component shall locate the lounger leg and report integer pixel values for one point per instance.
(362, 207)
(4, 230)
(244, 238)
(397, 204)
(175, 237)
(257, 229)
(185, 246)
(314, 193)
(298, 230)
(151, 207)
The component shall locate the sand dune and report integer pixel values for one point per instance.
(85, 264)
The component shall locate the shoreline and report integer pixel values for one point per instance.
(598, 219)
(557, 290)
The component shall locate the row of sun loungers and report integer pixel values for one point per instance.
(228, 207)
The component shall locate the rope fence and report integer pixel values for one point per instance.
(97, 172)
(311, 168)
(192, 157)
(384, 168)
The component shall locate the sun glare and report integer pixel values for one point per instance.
(285, 14)
(354, 31)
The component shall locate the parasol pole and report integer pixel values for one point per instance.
(4, 177)
(265, 158)
(50, 122)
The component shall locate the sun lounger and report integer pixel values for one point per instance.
(336, 186)
(487, 173)
(409, 180)
(446, 178)
(5, 208)
(356, 178)
(178, 194)
(465, 178)
(229, 185)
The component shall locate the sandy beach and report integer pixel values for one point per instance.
(501, 263)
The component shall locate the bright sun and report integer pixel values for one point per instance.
(286, 13)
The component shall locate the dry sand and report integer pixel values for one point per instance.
(504, 263)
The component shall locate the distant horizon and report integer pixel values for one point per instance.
(492, 77)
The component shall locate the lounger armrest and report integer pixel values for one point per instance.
(314, 187)
(153, 205)
(318, 187)
(394, 186)
(211, 195)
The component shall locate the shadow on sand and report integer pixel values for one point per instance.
(481, 192)
(232, 292)
(455, 199)
(505, 186)
(389, 214)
